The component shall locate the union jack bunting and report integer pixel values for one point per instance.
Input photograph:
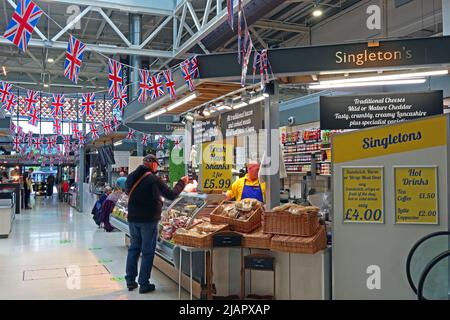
(88, 104)
(116, 123)
(81, 138)
(121, 101)
(75, 130)
(94, 131)
(57, 105)
(11, 103)
(144, 88)
(155, 87)
(34, 117)
(30, 139)
(230, 11)
(161, 142)
(67, 140)
(177, 143)
(51, 141)
(22, 23)
(37, 143)
(193, 63)
(17, 143)
(170, 84)
(56, 126)
(5, 91)
(74, 57)
(115, 78)
(107, 127)
(145, 138)
(12, 128)
(130, 134)
(43, 163)
(30, 101)
(187, 76)
(239, 33)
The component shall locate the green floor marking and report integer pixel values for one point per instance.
(104, 261)
(118, 279)
(64, 241)
(95, 249)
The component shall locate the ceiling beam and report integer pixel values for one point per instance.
(280, 26)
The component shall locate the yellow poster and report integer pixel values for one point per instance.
(217, 159)
(416, 198)
(363, 194)
(381, 141)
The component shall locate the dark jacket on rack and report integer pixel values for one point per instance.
(145, 203)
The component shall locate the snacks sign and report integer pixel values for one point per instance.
(363, 195)
(416, 198)
(216, 166)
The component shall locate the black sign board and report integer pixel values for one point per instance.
(244, 121)
(206, 130)
(363, 111)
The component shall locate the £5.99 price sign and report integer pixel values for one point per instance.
(363, 195)
(217, 162)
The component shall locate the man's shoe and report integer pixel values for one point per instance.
(132, 286)
(145, 289)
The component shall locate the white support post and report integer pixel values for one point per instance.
(180, 30)
(207, 12)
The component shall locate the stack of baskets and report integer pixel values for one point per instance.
(248, 225)
(295, 229)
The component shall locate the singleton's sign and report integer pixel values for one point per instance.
(363, 111)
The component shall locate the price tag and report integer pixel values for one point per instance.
(416, 198)
(363, 195)
(216, 166)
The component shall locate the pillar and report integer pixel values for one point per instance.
(271, 167)
(446, 17)
(82, 169)
(135, 61)
(139, 145)
(187, 144)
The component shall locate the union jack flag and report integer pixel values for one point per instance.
(94, 131)
(156, 87)
(130, 134)
(57, 105)
(193, 63)
(177, 143)
(38, 143)
(67, 140)
(56, 126)
(34, 117)
(107, 127)
(74, 57)
(187, 76)
(5, 91)
(17, 143)
(30, 101)
(115, 78)
(75, 130)
(22, 23)
(230, 10)
(11, 103)
(170, 84)
(81, 138)
(144, 88)
(30, 139)
(43, 162)
(12, 128)
(161, 142)
(88, 104)
(116, 123)
(121, 102)
(145, 138)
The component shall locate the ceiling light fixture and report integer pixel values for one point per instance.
(386, 77)
(182, 101)
(118, 143)
(206, 112)
(257, 99)
(240, 105)
(4, 71)
(190, 117)
(50, 60)
(366, 84)
(317, 12)
(46, 85)
(155, 114)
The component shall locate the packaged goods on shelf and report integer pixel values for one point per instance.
(292, 219)
(241, 216)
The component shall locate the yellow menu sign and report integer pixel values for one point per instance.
(217, 162)
(416, 198)
(363, 195)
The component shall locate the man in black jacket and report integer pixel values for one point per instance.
(144, 212)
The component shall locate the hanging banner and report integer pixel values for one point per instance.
(177, 167)
(369, 110)
(416, 195)
(217, 166)
(363, 195)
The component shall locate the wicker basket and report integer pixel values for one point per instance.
(256, 240)
(244, 226)
(311, 244)
(285, 223)
(196, 242)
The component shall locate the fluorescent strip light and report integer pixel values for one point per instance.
(240, 105)
(366, 84)
(4, 71)
(387, 77)
(224, 108)
(154, 114)
(257, 99)
(118, 143)
(182, 101)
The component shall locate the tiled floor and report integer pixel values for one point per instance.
(55, 252)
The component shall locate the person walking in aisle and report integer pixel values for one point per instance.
(145, 189)
(28, 186)
(121, 180)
